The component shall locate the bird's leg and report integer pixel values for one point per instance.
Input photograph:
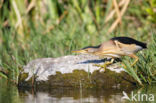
(104, 66)
(136, 59)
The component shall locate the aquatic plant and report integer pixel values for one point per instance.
(144, 72)
(31, 29)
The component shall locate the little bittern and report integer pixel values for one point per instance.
(115, 48)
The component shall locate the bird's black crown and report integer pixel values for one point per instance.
(128, 40)
(91, 47)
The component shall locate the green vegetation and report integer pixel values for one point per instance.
(144, 72)
(32, 29)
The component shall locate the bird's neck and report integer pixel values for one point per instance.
(93, 50)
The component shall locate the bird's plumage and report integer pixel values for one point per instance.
(128, 40)
(92, 47)
(115, 48)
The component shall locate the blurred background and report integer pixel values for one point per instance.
(32, 29)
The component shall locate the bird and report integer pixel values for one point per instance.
(115, 47)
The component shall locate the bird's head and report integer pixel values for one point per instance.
(86, 50)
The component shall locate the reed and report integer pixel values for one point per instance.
(31, 29)
(144, 72)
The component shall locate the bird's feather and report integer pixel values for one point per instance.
(128, 40)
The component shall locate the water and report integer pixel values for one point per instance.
(66, 95)
(11, 94)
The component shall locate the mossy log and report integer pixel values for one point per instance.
(73, 71)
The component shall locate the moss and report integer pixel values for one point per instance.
(110, 79)
(75, 79)
(22, 77)
(30, 83)
(80, 78)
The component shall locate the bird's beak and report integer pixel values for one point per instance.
(79, 51)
